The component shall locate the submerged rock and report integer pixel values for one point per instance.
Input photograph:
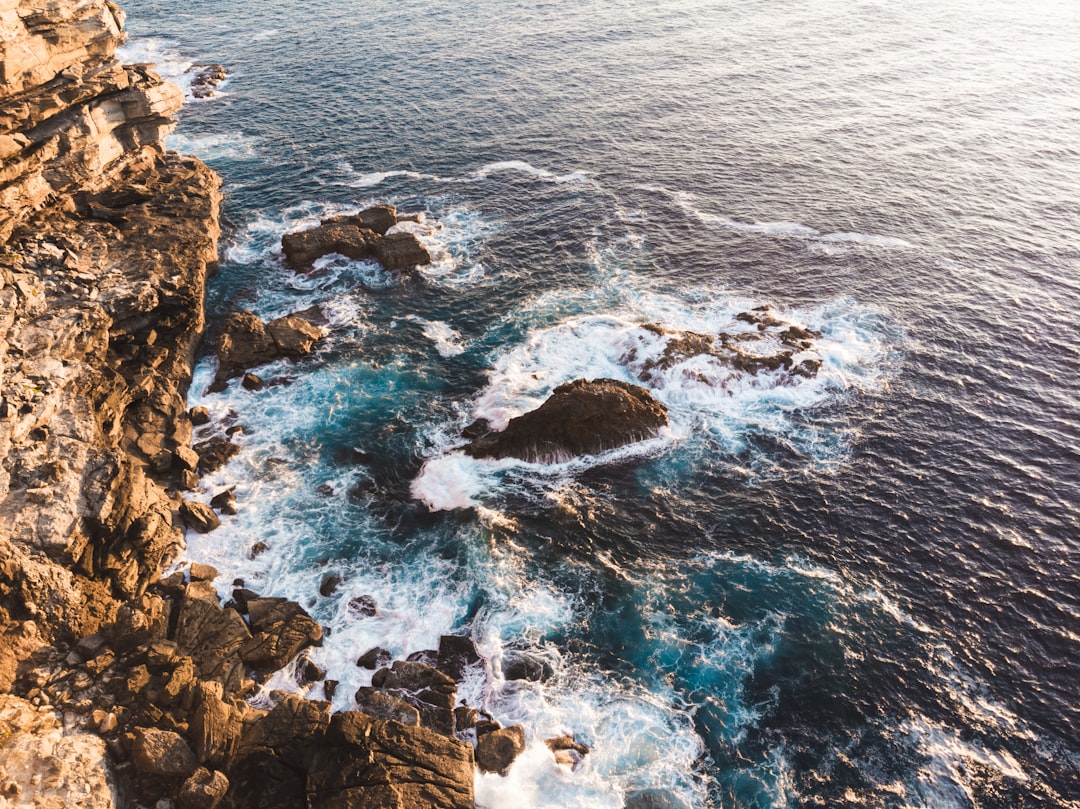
(772, 345)
(579, 418)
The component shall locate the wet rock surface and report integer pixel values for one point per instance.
(579, 418)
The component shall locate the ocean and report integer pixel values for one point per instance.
(860, 589)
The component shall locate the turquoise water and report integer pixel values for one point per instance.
(858, 590)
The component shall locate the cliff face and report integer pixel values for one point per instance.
(70, 114)
(126, 689)
(106, 243)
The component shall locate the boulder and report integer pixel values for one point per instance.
(162, 752)
(363, 606)
(427, 689)
(244, 342)
(224, 502)
(329, 584)
(252, 382)
(579, 418)
(522, 666)
(293, 335)
(384, 706)
(400, 251)
(199, 416)
(212, 636)
(567, 751)
(215, 725)
(373, 658)
(198, 516)
(287, 728)
(215, 452)
(204, 789)
(456, 653)
(280, 630)
(496, 751)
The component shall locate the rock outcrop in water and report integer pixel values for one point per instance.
(357, 236)
(768, 344)
(579, 418)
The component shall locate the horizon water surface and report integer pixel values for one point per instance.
(857, 590)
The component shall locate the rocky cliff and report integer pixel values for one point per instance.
(70, 114)
(105, 245)
(119, 688)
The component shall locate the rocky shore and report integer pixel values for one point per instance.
(120, 688)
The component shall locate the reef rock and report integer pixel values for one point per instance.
(757, 343)
(579, 418)
(206, 78)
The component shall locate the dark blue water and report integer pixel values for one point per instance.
(860, 590)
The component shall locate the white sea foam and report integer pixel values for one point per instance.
(168, 60)
(374, 178)
(702, 393)
(446, 339)
(830, 243)
(230, 146)
(357, 179)
(522, 167)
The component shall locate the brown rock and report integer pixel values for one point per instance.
(201, 572)
(579, 418)
(426, 688)
(384, 706)
(244, 342)
(215, 452)
(456, 653)
(378, 764)
(293, 335)
(496, 751)
(224, 502)
(373, 658)
(333, 236)
(400, 251)
(162, 752)
(203, 790)
(216, 726)
(199, 416)
(199, 516)
(281, 630)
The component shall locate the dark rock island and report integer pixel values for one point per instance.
(579, 418)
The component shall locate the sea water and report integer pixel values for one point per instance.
(856, 590)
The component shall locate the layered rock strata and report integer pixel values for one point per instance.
(70, 114)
